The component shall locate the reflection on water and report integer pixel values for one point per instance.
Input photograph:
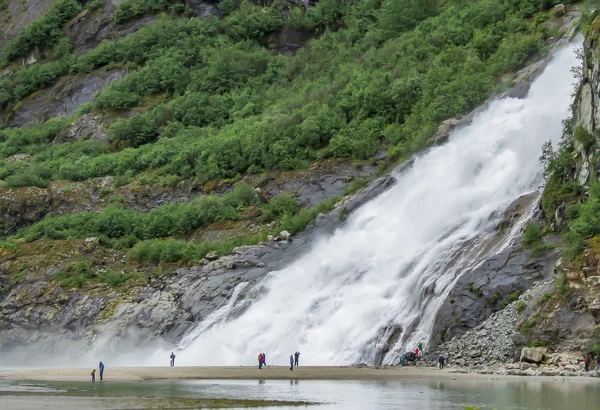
(538, 394)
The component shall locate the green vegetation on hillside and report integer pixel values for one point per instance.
(43, 33)
(367, 82)
(204, 99)
(130, 9)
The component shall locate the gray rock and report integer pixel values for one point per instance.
(88, 126)
(212, 256)
(533, 354)
(284, 236)
(63, 98)
(17, 158)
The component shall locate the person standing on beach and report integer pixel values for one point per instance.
(586, 362)
(441, 360)
(172, 359)
(402, 359)
(260, 361)
(94, 376)
(292, 362)
(101, 366)
(264, 359)
(296, 357)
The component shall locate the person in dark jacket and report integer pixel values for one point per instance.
(586, 362)
(296, 357)
(101, 366)
(292, 362)
(172, 359)
(441, 360)
(93, 375)
(264, 360)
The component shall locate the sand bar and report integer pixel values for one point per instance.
(129, 403)
(253, 373)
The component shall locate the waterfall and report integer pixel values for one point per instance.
(386, 272)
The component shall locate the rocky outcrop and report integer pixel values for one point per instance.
(89, 28)
(63, 98)
(87, 127)
(18, 14)
(22, 207)
(495, 283)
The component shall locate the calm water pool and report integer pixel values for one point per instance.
(538, 394)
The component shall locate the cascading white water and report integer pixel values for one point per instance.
(394, 261)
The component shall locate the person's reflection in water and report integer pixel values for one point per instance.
(261, 382)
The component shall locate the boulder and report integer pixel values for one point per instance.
(526, 366)
(86, 127)
(560, 10)
(284, 236)
(445, 130)
(261, 195)
(212, 256)
(533, 354)
(16, 158)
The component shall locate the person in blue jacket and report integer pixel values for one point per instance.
(101, 366)
(292, 362)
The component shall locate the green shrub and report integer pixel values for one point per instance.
(545, 297)
(76, 275)
(520, 306)
(476, 291)
(173, 250)
(584, 137)
(43, 32)
(95, 5)
(563, 288)
(280, 205)
(533, 234)
(129, 9)
(514, 296)
(168, 220)
(593, 347)
(115, 278)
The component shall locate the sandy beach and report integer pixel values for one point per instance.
(231, 373)
(253, 373)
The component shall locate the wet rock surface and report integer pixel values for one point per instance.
(494, 284)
